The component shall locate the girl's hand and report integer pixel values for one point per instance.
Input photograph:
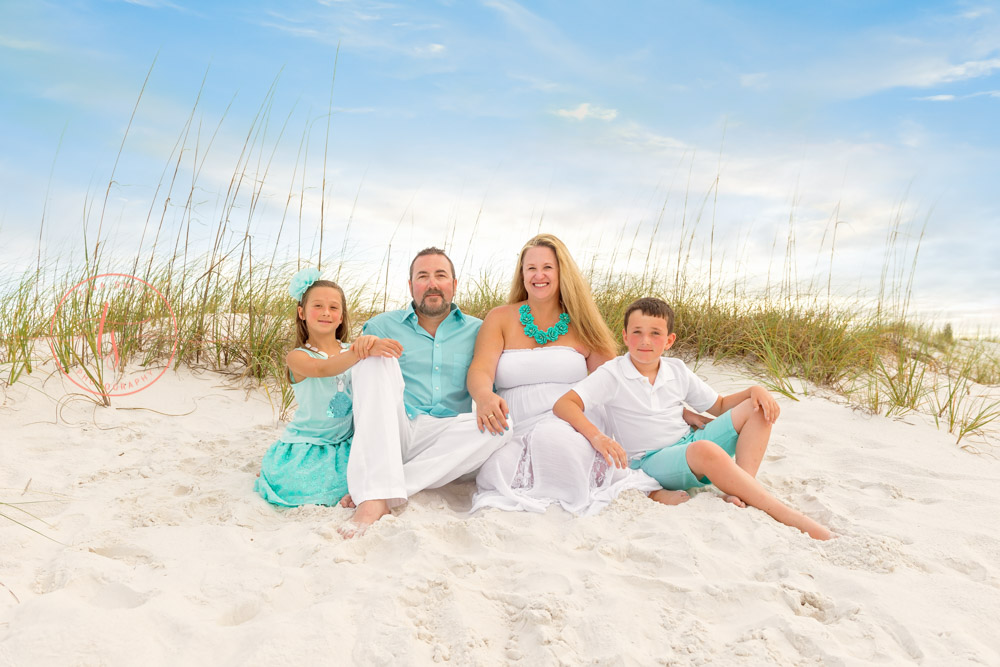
(362, 346)
(762, 400)
(491, 414)
(373, 346)
(612, 452)
(696, 420)
(386, 347)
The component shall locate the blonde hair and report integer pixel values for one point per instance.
(343, 332)
(574, 295)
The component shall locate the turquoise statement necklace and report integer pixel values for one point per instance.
(542, 337)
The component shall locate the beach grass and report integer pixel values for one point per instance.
(240, 324)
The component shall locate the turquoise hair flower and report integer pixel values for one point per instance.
(301, 282)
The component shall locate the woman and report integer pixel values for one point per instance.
(548, 337)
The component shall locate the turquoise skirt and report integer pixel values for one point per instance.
(298, 473)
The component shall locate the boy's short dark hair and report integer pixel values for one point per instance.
(432, 251)
(654, 308)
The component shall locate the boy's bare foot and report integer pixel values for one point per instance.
(670, 497)
(367, 513)
(736, 500)
(347, 502)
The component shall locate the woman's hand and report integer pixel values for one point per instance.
(762, 400)
(696, 420)
(612, 452)
(491, 414)
(373, 346)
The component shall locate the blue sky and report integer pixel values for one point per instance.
(578, 118)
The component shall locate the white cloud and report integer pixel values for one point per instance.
(949, 73)
(952, 98)
(539, 84)
(154, 4)
(585, 110)
(637, 136)
(303, 32)
(431, 50)
(756, 80)
(977, 13)
(21, 45)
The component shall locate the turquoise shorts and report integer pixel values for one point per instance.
(669, 465)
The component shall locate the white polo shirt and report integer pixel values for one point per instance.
(643, 416)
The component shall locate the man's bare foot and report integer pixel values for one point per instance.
(670, 497)
(347, 502)
(736, 500)
(367, 513)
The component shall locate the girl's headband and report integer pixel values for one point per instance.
(302, 281)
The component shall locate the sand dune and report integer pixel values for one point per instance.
(168, 557)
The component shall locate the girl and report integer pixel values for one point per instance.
(308, 465)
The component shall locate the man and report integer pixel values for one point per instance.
(413, 425)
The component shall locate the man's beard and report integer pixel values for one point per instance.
(429, 311)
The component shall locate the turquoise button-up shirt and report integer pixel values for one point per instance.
(434, 367)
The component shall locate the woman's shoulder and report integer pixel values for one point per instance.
(506, 308)
(502, 313)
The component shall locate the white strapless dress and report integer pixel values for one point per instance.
(547, 460)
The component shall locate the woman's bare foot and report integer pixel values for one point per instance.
(819, 532)
(347, 502)
(670, 497)
(367, 513)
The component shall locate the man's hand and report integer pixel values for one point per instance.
(696, 420)
(491, 414)
(373, 346)
(762, 400)
(612, 452)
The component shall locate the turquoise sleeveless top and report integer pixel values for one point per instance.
(325, 415)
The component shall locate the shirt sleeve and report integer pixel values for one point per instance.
(373, 327)
(597, 388)
(698, 394)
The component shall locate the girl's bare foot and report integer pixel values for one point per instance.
(347, 502)
(367, 513)
(736, 500)
(670, 497)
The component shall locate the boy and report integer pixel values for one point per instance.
(642, 393)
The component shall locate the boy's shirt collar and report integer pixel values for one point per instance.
(629, 370)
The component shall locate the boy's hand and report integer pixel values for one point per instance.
(696, 420)
(762, 400)
(612, 452)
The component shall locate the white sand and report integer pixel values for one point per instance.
(169, 558)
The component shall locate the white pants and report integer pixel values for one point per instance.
(392, 456)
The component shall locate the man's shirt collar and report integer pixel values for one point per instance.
(409, 313)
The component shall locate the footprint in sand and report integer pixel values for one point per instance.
(126, 553)
(240, 612)
(815, 605)
(116, 596)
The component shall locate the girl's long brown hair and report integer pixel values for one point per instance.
(574, 295)
(343, 332)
